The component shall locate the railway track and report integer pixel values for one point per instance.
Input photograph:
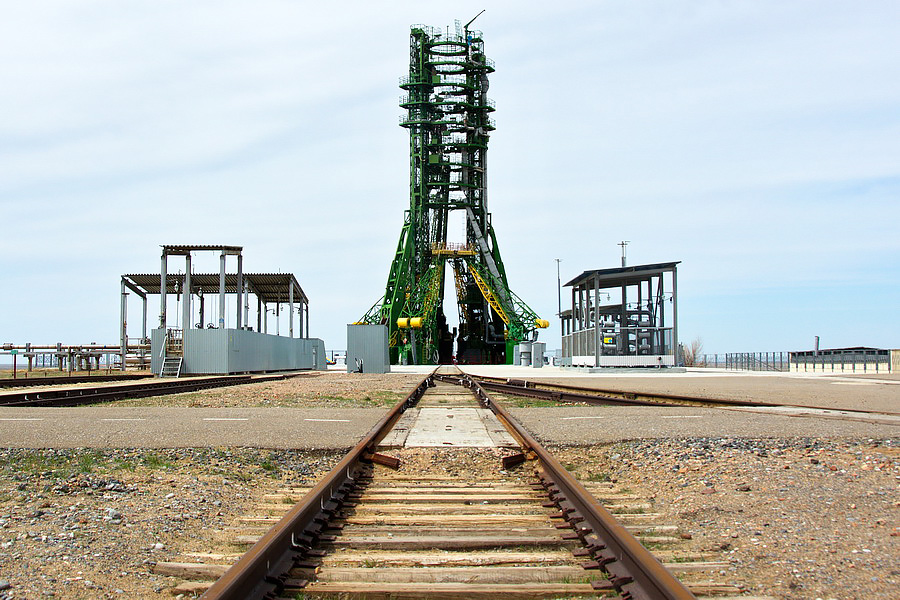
(33, 381)
(391, 520)
(574, 394)
(73, 396)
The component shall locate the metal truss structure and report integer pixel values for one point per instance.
(449, 124)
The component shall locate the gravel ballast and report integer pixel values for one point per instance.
(797, 518)
(91, 523)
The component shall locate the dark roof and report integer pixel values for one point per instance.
(269, 287)
(830, 351)
(617, 275)
(185, 249)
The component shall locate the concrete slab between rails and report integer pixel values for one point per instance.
(457, 427)
(604, 424)
(155, 427)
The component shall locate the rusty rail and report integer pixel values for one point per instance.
(262, 570)
(569, 393)
(72, 396)
(633, 571)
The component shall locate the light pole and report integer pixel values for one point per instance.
(623, 243)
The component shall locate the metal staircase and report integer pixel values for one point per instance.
(172, 353)
(171, 366)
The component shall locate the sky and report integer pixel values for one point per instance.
(757, 142)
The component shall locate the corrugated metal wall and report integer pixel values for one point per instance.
(368, 343)
(223, 351)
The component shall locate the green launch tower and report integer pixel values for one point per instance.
(449, 124)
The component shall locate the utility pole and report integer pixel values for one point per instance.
(623, 243)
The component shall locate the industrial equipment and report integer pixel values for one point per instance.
(449, 124)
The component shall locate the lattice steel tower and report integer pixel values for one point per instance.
(449, 124)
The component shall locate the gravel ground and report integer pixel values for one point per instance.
(323, 389)
(797, 518)
(90, 524)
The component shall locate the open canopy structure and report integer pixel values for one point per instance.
(269, 289)
(625, 316)
(199, 342)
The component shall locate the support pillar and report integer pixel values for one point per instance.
(246, 300)
(259, 314)
(143, 318)
(302, 316)
(239, 305)
(162, 292)
(187, 294)
(306, 330)
(675, 311)
(222, 290)
(291, 308)
(123, 314)
(265, 306)
(598, 338)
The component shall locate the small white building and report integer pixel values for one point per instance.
(622, 317)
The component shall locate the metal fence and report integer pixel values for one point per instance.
(746, 361)
(858, 361)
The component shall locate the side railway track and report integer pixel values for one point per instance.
(73, 396)
(528, 529)
(10, 382)
(573, 394)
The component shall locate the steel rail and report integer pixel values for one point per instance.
(634, 572)
(62, 380)
(88, 395)
(569, 393)
(262, 571)
(562, 395)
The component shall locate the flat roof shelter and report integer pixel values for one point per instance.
(269, 289)
(624, 317)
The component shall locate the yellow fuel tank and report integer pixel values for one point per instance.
(542, 323)
(409, 323)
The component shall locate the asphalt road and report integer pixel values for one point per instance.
(321, 428)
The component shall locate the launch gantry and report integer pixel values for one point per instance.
(449, 124)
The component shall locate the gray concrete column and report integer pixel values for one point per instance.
(246, 297)
(239, 305)
(302, 315)
(675, 310)
(186, 294)
(306, 330)
(123, 314)
(144, 318)
(162, 292)
(291, 308)
(598, 338)
(222, 291)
